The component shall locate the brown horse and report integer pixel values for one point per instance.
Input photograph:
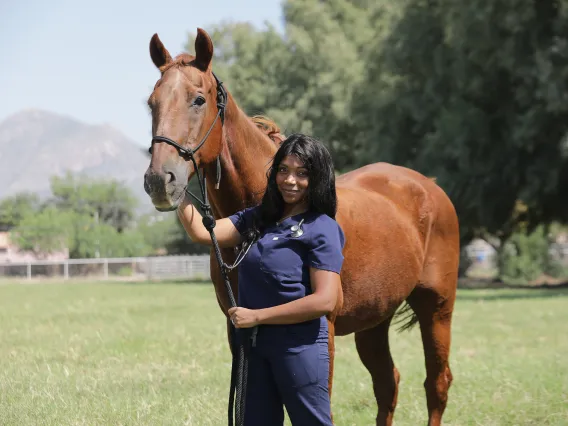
(402, 239)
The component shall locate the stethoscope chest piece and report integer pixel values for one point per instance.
(296, 230)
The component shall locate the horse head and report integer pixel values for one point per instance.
(187, 107)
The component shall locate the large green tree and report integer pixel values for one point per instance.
(474, 92)
(44, 232)
(108, 200)
(14, 208)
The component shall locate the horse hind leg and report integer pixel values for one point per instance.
(433, 307)
(373, 348)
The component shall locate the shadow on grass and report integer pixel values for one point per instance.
(511, 294)
(470, 289)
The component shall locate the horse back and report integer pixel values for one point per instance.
(387, 194)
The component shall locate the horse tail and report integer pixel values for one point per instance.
(405, 316)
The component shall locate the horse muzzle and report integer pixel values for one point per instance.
(165, 188)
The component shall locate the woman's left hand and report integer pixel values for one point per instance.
(243, 317)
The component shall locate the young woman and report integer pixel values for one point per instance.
(288, 283)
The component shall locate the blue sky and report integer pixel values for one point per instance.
(90, 60)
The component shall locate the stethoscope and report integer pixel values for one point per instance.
(296, 230)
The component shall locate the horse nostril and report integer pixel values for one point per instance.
(170, 177)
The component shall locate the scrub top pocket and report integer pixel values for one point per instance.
(282, 257)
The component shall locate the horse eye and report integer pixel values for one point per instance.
(200, 100)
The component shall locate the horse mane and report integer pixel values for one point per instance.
(269, 128)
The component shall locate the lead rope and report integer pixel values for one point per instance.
(239, 337)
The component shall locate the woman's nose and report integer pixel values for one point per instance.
(290, 179)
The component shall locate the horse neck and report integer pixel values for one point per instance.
(245, 157)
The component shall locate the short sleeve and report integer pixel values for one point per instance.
(244, 219)
(326, 245)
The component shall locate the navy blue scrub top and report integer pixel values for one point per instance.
(276, 269)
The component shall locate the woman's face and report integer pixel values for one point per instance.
(292, 180)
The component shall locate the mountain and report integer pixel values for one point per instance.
(37, 144)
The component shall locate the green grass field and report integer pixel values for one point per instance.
(156, 354)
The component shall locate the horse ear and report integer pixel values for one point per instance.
(203, 50)
(159, 54)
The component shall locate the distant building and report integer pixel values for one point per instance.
(10, 253)
(480, 252)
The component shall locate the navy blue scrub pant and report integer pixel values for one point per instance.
(294, 377)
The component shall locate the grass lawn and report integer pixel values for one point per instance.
(156, 354)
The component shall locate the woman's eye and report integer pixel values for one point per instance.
(281, 169)
(200, 100)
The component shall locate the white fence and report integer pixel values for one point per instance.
(165, 267)
(129, 268)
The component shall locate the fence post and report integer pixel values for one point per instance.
(105, 268)
(29, 270)
(149, 268)
(66, 270)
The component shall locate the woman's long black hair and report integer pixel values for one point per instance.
(322, 197)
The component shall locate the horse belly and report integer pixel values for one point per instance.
(384, 257)
(371, 297)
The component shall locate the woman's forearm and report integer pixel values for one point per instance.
(192, 222)
(307, 308)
